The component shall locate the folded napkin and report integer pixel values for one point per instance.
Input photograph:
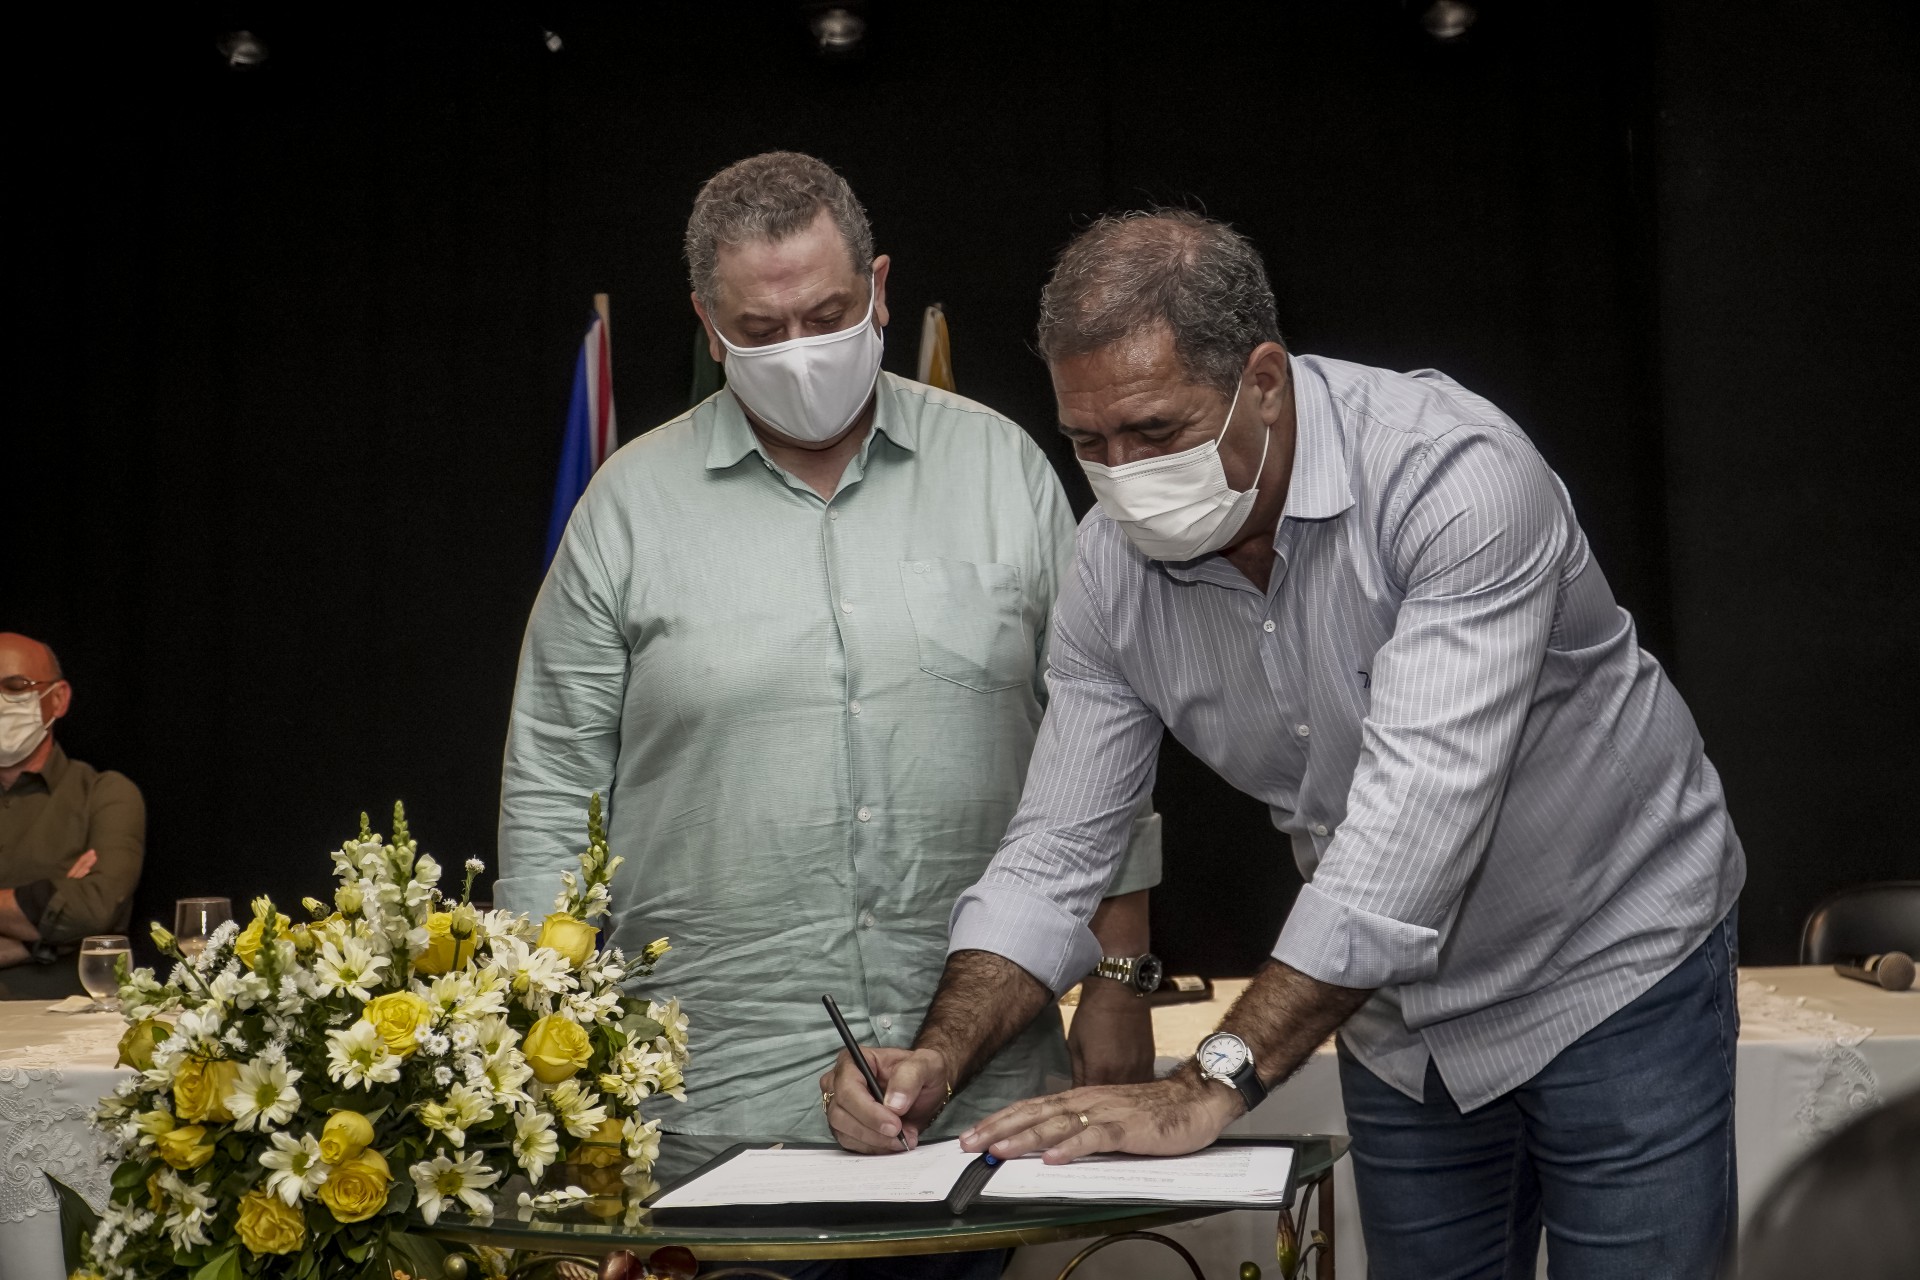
(75, 1004)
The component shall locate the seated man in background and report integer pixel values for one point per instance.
(71, 837)
(797, 637)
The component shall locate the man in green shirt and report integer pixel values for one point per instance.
(71, 837)
(797, 636)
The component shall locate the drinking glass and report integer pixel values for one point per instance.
(99, 955)
(195, 918)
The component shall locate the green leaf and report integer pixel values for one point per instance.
(77, 1221)
(419, 1256)
(225, 1266)
(399, 1196)
(130, 1174)
(640, 1027)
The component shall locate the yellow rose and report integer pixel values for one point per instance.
(156, 1198)
(602, 1148)
(441, 951)
(265, 1225)
(83, 1275)
(200, 1089)
(556, 1048)
(346, 1135)
(571, 938)
(357, 1190)
(136, 1047)
(399, 1017)
(247, 945)
(185, 1147)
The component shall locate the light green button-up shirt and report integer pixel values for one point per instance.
(812, 721)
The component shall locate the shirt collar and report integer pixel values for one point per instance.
(731, 438)
(1318, 488)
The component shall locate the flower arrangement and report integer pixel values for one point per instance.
(302, 1088)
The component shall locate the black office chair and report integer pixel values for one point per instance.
(1866, 920)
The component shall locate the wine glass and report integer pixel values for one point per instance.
(99, 959)
(195, 918)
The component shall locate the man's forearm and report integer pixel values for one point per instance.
(1284, 1015)
(13, 922)
(1120, 924)
(983, 1001)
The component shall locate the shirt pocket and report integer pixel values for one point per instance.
(971, 622)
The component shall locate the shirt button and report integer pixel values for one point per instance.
(1319, 828)
(866, 919)
(886, 1023)
(854, 706)
(865, 814)
(919, 566)
(1302, 730)
(1268, 626)
(846, 606)
(832, 514)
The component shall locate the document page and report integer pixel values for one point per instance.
(799, 1175)
(1252, 1175)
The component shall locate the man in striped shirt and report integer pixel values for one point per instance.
(1362, 597)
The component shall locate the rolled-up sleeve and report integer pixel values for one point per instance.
(1083, 811)
(1479, 550)
(563, 739)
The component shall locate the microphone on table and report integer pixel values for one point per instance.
(1892, 970)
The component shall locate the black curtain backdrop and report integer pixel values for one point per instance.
(295, 345)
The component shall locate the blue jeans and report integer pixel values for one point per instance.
(1622, 1147)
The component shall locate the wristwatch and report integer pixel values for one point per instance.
(1224, 1056)
(1142, 973)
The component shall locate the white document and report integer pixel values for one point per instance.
(1255, 1175)
(1251, 1175)
(800, 1175)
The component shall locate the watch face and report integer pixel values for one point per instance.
(1147, 972)
(1222, 1054)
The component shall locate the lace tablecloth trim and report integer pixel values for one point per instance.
(40, 1134)
(1844, 1085)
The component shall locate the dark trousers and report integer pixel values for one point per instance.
(1621, 1148)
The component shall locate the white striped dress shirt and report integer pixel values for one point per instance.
(1498, 800)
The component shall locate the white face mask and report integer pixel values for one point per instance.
(21, 729)
(808, 388)
(1180, 506)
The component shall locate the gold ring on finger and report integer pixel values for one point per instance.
(1084, 1122)
(826, 1099)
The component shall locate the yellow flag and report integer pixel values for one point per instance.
(936, 354)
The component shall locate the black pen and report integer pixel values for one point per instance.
(866, 1069)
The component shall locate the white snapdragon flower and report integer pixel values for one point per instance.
(356, 1055)
(263, 1096)
(349, 966)
(441, 1181)
(535, 1145)
(295, 1167)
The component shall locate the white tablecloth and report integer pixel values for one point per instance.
(1815, 1049)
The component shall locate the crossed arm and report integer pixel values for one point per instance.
(16, 931)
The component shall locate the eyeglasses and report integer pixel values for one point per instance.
(20, 684)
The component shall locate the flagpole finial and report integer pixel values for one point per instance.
(600, 309)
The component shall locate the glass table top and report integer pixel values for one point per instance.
(616, 1217)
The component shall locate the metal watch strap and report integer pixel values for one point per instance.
(1118, 968)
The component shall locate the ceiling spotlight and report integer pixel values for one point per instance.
(553, 41)
(242, 49)
(1449, 19)
(838, 31)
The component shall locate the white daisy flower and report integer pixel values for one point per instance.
(189, 1209)
(348, 966)
(356, 1055)
(263, 1096)
(643, 1140)
(441, 1181)
(465, 1107)
(296, 1167)
(578, 1107)
(535, 1145)
(443, 1076)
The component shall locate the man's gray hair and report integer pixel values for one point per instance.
(770, 197)
(1132, 272)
